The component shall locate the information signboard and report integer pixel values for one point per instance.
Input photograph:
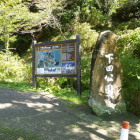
(57, 59)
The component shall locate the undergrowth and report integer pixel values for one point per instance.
(129, 46)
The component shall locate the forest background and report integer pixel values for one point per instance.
(22, 21)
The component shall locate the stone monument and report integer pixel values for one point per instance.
(106, 78)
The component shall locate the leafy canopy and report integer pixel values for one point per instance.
(17, 17)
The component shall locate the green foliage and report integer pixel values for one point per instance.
(71, 95)
(129, 42)
(17, 18)
(89, 13)
(86, 67)
(127, 10)
(20, 86)
(129, 46)
(88, 36)
(117, 4)
(13, 69)
(131, 69)
(132, 24)
(11, 19)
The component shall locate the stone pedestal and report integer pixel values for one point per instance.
(106, 79)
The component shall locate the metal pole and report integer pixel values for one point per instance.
(78, 65)
(34, 78)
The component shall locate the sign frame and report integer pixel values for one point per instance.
(77, 55)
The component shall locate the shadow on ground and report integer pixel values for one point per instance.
(41, 116)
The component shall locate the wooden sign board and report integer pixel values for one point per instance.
(57, 59)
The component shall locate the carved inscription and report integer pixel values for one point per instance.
(109, 77)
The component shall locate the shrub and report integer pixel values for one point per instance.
(88, 36)
(129, 46)
(86, 67)
(132, 24)
(14, 69)
(129, 42)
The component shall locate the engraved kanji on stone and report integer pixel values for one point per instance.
(109, 89)
(109, 56)
(110, 68)
(109, 78)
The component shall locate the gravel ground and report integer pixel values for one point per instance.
(49, 118)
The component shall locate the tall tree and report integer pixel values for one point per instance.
(18, 16)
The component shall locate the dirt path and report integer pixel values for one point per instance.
(41, 116)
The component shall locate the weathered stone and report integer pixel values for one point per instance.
(106, 79)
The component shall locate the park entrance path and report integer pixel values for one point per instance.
(50, 118)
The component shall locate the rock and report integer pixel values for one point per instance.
(106, 78)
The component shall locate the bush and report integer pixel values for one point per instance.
(127, 10)
(88, 36)
(132, 24)
(86, 67)
(129, 46)
(129, 42)
(14, 69)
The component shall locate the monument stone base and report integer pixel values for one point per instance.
(104, 110)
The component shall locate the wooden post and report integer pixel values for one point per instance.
(78, 65)
(34, 78)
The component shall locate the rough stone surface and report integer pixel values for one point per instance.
(106, 76)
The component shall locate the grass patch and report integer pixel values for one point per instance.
(69, 94)
(74, 126)
(16, 85)
(12, 134)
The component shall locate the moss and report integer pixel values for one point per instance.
(102, 110)
(121, 106)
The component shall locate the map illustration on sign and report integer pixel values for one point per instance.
(49, 62)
